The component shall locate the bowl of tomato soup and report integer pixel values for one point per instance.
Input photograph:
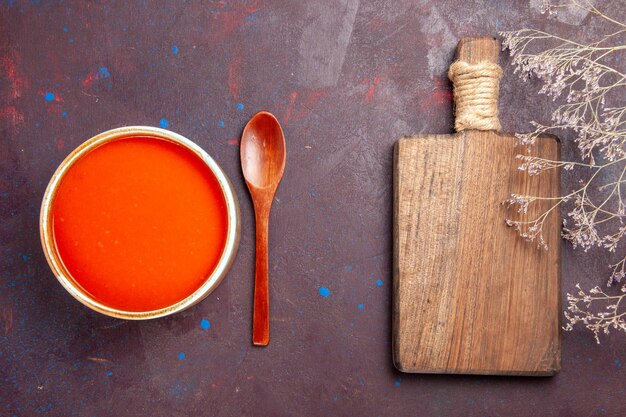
(139, 222)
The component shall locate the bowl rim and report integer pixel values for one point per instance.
(56, 264)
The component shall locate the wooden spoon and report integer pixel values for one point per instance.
(262, 162)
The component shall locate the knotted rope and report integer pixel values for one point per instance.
(475, 95)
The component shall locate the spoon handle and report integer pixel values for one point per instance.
(261, 315)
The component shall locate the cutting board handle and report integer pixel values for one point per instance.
(476, 78)
(478, 49)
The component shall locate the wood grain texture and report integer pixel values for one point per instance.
(475, 50)
(470, 296)
(263, 157)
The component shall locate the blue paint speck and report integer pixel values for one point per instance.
(589, 360)
(164, 123)
(49, 96)
(397, 383)
(618, 363)
(360, 306)
(335, 398)
(65, 30)
(221, 123)
(379, 283)
(181, 356)
(64, 114)
(37, 125)
(71, 40)
(175, 49)
(349, 267)
(109, 373)
(324, 292)
(239, 106)
(178, 389)
(205, 324)
(103, 72)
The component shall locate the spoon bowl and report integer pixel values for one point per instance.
(263, 151)
(263, 158)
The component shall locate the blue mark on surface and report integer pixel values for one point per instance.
(37, 125)
(43, 409)
(335, 398)
(65, 29)
(618, 363)
(252, 17)
(181, 356)
(589, 360)
(205, 324)
(349, 267)
(397, 382)
(379, 283)
(313, 194)
(497, 24)
(360, 306)
(178, 389)
(71, 40)
(324, 292)
(49, 96)
(103, 72)
(221, 123)
(109, 373)
(64, 114)
(164, 123)
(239, 106)
(175, 49)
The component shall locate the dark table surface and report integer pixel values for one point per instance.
(346, 79)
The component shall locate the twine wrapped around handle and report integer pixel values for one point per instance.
(476, 87)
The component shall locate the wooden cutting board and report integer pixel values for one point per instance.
(469, 295)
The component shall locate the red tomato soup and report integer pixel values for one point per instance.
(139, 223)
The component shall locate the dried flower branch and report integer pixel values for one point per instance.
(591, 104)
(580, 307)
